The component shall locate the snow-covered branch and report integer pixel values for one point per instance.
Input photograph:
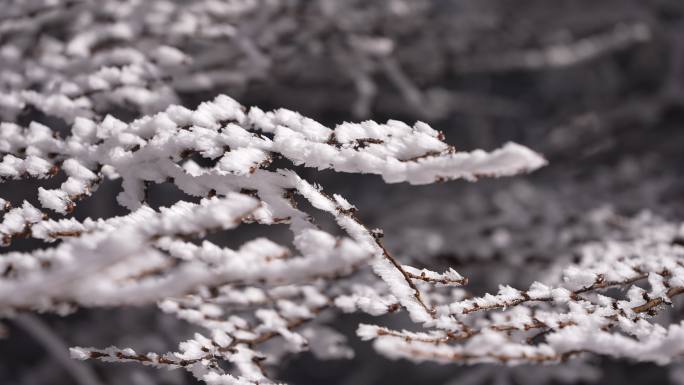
(130, 93)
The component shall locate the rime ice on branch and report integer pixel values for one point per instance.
(275, 289)
(262, 291)
(261, 300)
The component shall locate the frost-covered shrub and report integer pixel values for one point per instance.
(83, 57)
(148, 256)
(93, 93)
